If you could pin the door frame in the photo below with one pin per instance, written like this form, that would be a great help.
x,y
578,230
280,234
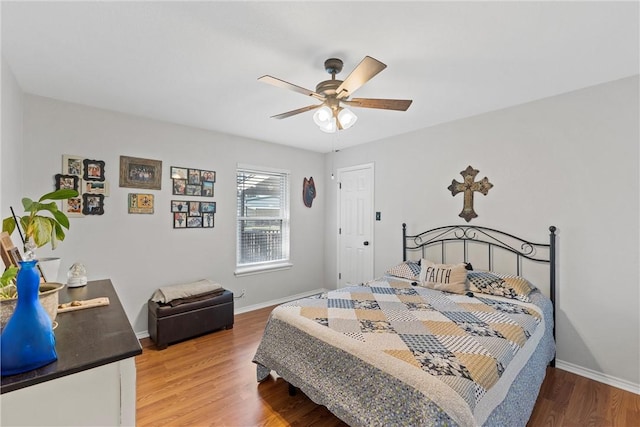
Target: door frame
x,y
339,173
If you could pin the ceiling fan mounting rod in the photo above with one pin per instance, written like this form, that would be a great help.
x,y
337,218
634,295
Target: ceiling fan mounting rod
x,y
333,66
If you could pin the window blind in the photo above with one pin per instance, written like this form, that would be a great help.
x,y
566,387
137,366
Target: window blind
x,y
263,217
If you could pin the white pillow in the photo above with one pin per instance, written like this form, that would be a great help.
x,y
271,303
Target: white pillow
x,y
444,277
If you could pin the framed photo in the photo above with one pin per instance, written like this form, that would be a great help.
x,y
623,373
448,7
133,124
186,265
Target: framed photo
x,y
179,220
67,182
73,207
179,186
194,176
194,222
93,170
140,173
72,165
207,188
194,209
10,254
179,206
208,207
207,220
95,187
140,203
178,173
93,204
194,190
208,176
7,246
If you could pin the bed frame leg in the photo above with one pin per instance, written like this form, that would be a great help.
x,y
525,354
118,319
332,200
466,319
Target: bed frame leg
x,y
292,390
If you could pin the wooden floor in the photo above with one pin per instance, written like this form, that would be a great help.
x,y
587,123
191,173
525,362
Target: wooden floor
x,y
210,381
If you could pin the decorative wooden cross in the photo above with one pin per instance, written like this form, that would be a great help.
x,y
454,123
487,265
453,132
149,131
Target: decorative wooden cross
x,y
468,187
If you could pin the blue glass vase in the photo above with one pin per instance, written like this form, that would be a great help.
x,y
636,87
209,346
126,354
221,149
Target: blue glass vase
x,y
27,341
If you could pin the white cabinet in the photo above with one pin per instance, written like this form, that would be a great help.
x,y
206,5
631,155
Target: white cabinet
x,y
102,396
93,382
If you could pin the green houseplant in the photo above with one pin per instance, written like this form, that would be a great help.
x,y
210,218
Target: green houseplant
x,y
7,283
38,230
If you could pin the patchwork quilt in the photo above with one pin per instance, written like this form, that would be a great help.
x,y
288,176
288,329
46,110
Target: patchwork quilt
x,y
448,352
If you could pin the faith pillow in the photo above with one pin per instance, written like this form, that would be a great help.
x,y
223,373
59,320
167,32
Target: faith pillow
x,y
444,277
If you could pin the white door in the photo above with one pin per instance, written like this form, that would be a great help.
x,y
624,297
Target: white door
x,y
355,225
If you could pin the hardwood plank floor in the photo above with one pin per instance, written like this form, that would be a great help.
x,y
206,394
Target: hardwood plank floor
x,y
211,381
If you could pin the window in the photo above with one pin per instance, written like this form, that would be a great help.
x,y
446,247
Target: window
x,y
263,219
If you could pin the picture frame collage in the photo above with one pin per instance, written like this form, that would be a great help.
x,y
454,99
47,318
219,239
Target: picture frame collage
x,y
193,214
198,183
193,182
87,177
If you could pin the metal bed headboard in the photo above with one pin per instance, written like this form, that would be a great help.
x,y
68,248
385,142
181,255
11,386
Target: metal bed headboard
x,y
521,248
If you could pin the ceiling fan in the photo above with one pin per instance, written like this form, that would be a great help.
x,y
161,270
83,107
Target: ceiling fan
x,y
334,95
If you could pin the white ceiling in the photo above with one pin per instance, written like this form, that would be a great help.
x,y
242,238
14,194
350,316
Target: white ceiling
x,y
197,63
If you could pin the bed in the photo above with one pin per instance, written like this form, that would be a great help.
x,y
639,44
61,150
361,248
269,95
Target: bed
x,y
427,343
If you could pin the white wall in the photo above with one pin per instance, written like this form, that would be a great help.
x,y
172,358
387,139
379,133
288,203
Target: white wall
x,y
140,253
11,146
569,161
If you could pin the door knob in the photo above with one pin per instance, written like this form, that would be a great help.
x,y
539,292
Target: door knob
x,y
366,243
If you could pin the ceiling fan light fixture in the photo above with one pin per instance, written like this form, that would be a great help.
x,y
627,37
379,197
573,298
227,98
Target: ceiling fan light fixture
x,y
329,127
323,116
347,118
331,116
325,120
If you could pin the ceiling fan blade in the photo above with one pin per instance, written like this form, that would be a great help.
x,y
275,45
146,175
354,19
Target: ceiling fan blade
x,y
383,104
364,72
294,112
286,85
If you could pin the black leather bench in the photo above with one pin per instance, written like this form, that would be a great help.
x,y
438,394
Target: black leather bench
x,y
169,324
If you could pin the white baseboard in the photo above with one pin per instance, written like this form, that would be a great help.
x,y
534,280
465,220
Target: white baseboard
x,y
278,301
599,376
145,334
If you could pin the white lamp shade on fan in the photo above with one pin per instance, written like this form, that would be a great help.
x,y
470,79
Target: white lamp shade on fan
x,y
347,118
327,122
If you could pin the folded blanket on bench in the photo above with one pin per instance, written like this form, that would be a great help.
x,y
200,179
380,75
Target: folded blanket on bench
x,y
167,294
195,298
